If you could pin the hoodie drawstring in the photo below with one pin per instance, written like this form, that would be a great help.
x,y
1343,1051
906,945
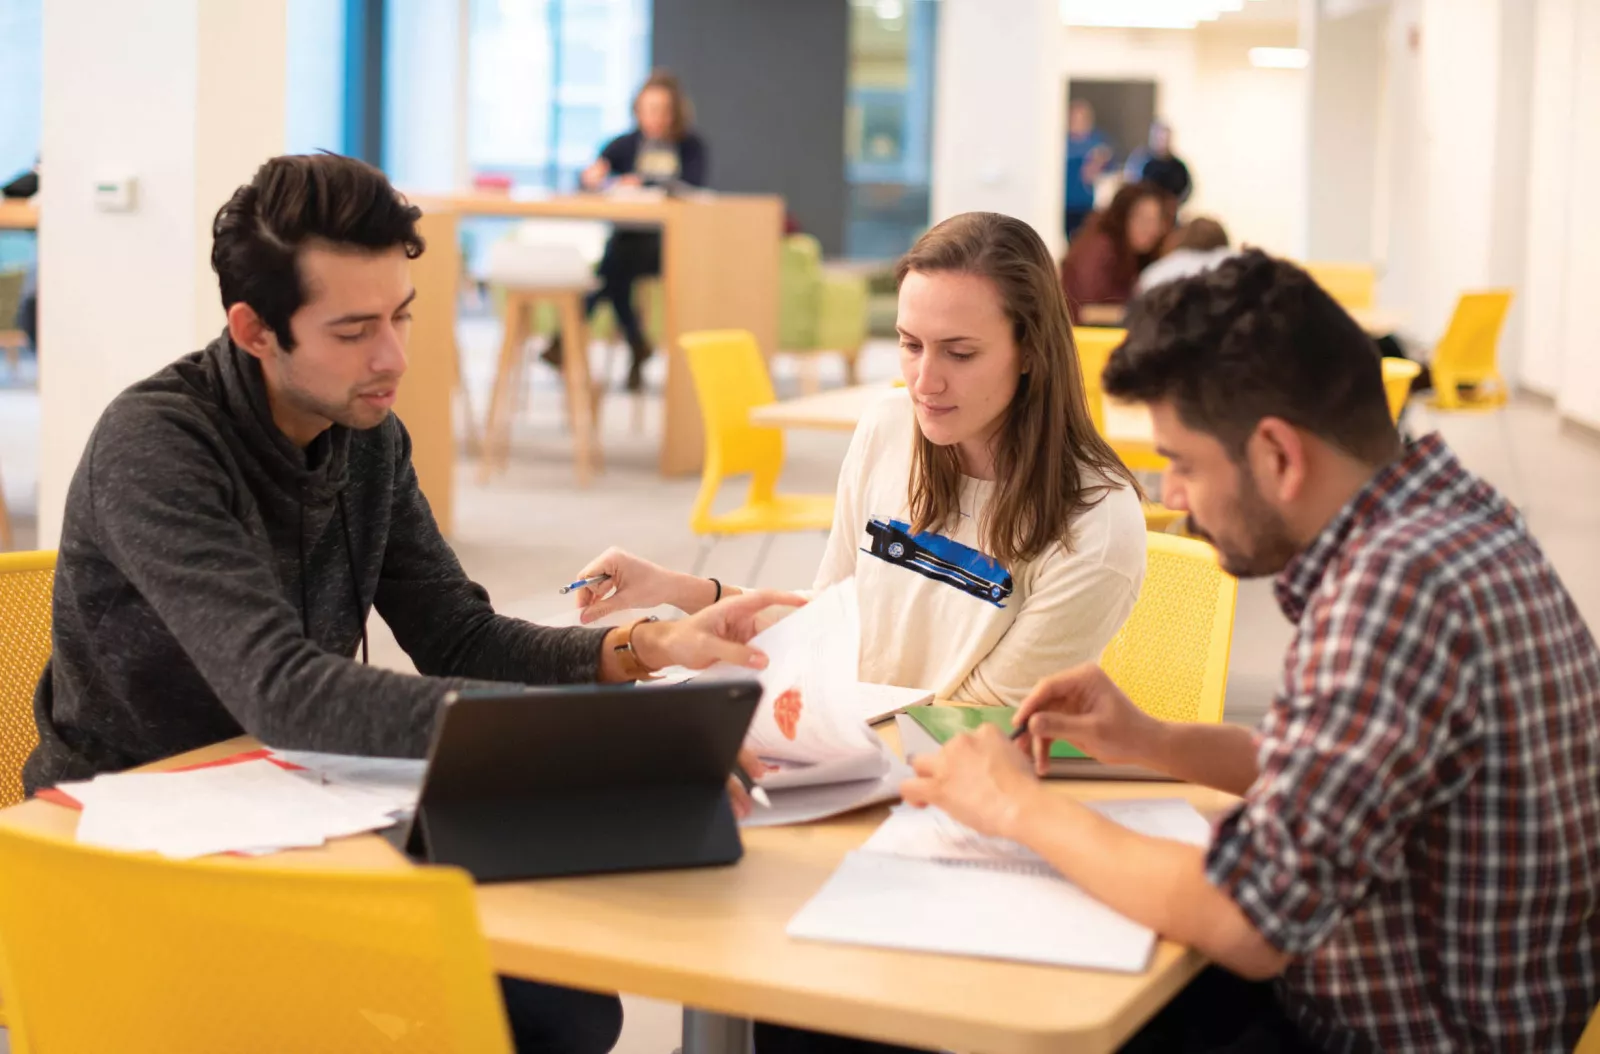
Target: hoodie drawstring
x,y
355,579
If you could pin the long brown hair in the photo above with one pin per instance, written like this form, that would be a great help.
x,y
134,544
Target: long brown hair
x,y
682,108
1050,463
1113,224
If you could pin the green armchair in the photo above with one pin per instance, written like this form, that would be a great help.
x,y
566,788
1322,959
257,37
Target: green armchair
x,y
819,311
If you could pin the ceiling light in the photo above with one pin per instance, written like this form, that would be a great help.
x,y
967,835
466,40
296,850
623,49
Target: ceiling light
x,y
1144,14
1280,58
889,10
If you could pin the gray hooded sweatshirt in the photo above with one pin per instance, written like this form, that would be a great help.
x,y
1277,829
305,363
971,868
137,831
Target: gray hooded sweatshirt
x,y
213,580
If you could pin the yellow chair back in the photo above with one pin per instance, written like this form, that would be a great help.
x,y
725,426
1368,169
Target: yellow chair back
x,y
1095,345
1171,656
1589,1042
136,953
1468,353
1353,285
1397,377
731,379
26,584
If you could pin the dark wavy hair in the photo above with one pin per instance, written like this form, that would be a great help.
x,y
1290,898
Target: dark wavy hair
x,y
295,199
1256,337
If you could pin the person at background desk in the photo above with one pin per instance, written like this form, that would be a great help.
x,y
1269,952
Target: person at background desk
x,y
236,517
662,151
1103,262
1088,154
1156,163
1416,860
991,531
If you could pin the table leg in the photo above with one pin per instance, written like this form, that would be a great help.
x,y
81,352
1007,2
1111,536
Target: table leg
x,y
708,1033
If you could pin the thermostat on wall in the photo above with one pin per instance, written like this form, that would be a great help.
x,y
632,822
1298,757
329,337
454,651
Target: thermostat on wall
x,y
115,195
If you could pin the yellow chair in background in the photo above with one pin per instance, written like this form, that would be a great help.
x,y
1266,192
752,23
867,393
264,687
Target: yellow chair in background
x,y
1589,1042
731,379
1397,377
1171,656
1467,356
26,584
1095,345
137,953
1353,285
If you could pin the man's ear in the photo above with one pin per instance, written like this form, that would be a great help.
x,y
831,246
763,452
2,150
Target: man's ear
x,y
1276,454
250,332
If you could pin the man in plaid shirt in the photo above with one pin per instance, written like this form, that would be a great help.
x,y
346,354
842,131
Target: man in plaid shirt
x,y
1415,863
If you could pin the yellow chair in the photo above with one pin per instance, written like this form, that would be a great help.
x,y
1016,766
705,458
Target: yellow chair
x,y
1353,285
731,379
1095,345
1589,1042
136,953
1468,353
1171,656
1397,377
26,584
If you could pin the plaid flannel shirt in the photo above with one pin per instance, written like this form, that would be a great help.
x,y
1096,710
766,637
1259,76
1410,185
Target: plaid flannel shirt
x,y
1423,837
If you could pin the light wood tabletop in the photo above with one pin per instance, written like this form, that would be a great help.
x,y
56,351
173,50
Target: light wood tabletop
x,y
17,215
840,409
714,939
1377,321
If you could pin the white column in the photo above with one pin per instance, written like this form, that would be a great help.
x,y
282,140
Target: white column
x,y
186,97
1579,394
1460,74
1346,86
999,124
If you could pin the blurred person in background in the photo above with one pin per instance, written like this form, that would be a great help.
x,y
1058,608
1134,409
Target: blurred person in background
x,y
662,151
1197,246
1103,262
1156,163
1088,154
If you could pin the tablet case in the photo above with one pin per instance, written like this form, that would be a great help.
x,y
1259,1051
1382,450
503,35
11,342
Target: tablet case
x,y
540,783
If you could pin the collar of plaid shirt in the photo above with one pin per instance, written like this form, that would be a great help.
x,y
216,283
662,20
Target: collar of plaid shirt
x,y
1426,466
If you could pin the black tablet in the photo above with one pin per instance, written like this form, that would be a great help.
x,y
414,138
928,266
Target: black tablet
x,y
543,782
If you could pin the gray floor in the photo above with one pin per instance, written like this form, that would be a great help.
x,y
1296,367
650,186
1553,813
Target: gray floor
x,y
529,529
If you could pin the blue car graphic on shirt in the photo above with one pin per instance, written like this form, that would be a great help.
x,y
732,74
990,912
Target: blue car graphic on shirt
x,y
939,558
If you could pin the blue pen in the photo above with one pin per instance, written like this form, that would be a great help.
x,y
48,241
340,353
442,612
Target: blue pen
x,y
592,580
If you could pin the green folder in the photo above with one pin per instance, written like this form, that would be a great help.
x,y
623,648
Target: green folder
x,y
945,722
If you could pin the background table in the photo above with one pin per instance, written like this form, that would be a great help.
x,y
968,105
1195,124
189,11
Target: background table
x,y
714,939
719,269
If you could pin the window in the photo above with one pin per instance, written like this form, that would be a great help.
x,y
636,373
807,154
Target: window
x,y
888,125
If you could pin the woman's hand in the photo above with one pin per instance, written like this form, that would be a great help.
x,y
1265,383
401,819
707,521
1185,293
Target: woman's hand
x,y
637,583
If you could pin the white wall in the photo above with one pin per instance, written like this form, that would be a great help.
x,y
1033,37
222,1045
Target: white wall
x,y
1346,98
1579,393
998,118
188,96
1240,129
314,118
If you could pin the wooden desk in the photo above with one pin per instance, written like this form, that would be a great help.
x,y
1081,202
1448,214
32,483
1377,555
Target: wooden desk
x,y
840,409
17,215
714,939
719,269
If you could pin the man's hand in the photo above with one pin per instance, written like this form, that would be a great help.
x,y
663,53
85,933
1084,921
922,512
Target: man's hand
x,y
595,175
720,633
981,779
742,805
1084,707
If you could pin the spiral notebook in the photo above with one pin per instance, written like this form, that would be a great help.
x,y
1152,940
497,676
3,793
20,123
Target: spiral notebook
x,y
924,882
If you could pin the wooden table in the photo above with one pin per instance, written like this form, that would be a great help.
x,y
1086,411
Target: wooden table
x,y
18,215
714,939
1377,321
719,269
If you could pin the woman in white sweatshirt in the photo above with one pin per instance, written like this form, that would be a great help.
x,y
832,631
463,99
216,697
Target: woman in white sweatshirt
x,y
994,536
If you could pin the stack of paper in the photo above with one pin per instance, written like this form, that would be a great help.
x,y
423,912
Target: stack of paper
x,y
254,806
392,783
924,882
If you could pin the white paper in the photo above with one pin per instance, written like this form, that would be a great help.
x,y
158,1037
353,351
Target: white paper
x,y
806,804
396,781
932,834
888,901
251,805
874,702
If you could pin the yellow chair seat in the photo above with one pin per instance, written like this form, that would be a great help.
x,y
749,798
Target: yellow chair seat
x,y
1161,519
775,515
1480,399
1397,377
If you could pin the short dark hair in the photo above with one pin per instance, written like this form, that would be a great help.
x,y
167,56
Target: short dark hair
x,y
294,199
1256,337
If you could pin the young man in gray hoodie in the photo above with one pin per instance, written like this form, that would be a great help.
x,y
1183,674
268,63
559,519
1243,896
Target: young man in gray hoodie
x,y
235,517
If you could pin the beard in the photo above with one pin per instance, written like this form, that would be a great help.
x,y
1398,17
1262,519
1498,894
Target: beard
x,y
1261,546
